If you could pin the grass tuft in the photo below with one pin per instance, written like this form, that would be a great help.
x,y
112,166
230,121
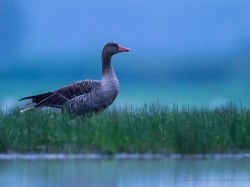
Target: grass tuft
x,y
149,129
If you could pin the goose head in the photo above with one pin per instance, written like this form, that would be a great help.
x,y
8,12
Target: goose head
x,y
113,48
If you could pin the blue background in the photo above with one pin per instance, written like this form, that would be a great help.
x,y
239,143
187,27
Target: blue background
x,y
192,52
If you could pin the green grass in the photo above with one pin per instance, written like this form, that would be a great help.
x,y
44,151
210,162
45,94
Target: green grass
x,y
149,129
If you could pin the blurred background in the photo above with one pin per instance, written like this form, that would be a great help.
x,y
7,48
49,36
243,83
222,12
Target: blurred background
x,y
194,52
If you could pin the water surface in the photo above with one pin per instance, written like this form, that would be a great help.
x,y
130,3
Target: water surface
x,y
124,172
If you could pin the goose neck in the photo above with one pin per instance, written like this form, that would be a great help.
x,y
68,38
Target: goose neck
x,y
107,69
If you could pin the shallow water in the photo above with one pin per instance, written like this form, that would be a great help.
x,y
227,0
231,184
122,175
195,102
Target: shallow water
x,y
95,171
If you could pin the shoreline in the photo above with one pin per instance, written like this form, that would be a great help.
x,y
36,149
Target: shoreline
x,y
120,156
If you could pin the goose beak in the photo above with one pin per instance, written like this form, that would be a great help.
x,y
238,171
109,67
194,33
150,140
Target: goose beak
x,y
123,49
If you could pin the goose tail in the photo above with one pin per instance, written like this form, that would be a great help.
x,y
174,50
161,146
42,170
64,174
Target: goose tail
x,y
24,110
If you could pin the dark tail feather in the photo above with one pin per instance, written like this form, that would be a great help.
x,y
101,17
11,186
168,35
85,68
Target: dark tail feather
x,y
37,98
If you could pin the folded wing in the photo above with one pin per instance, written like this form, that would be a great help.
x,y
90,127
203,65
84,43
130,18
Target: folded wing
x,y
59,97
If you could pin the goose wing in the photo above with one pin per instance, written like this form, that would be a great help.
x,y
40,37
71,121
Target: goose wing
x,y
59,97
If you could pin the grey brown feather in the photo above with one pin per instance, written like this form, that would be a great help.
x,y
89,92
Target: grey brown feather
x,y
85,96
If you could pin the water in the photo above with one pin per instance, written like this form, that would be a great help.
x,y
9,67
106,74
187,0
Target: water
x,y
76,172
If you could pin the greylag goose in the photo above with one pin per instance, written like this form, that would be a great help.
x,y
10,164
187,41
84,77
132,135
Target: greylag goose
x,y
85,96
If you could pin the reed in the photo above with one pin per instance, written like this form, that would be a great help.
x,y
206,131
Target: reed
x,y
149,129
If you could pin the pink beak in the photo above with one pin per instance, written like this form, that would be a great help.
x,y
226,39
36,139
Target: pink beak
x,y
123,49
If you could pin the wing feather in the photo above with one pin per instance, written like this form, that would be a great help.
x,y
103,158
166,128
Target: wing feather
x,y
59,97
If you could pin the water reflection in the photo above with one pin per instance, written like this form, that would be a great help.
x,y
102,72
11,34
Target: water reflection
x,y
125,172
